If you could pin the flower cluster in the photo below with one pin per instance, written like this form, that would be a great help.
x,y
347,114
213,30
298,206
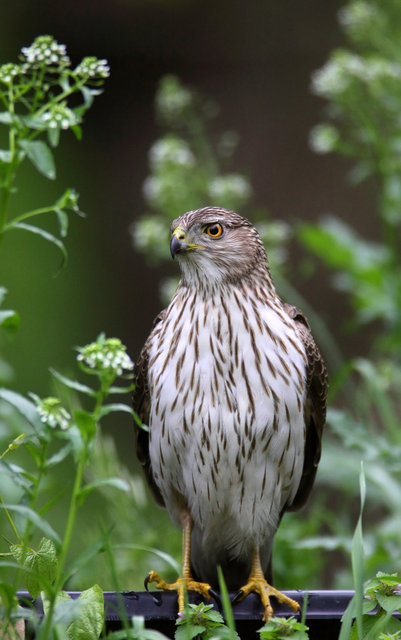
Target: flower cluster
x,y
231,190
45,50
324,138
59,116
172,99
92,67
149,232
106,354
8,71
170,150
359,16
52,413
345,67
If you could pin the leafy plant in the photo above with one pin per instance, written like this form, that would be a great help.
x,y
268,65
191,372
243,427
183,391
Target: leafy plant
x,y
44,569
281,628
37,96
362,87
202,621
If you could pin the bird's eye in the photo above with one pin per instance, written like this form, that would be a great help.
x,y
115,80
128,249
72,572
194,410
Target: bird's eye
x,y
213,230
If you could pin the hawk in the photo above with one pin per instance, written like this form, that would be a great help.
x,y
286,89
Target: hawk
x,y
233,390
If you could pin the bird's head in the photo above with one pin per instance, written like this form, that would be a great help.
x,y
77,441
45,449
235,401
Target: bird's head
x,y
214,245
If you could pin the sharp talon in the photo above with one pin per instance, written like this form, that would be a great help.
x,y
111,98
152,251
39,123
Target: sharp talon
x,y
237,596
216,596
157,598
146,582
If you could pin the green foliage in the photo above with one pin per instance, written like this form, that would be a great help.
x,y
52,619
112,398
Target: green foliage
x,y
37,98
202,621
369,614
68,432
362,86
281,628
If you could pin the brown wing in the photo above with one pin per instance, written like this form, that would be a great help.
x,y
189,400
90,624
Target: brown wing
x,y
315,407
141,405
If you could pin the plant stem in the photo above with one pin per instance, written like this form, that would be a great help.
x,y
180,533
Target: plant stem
x,y
10,520
9,174
28,214
66,541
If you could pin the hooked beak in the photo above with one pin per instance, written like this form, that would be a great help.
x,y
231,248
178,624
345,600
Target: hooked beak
x,y
179,243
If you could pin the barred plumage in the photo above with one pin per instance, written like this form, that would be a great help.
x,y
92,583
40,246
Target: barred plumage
x,y
233,389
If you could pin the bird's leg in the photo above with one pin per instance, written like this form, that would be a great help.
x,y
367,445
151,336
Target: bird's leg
x,y
258,584
186,582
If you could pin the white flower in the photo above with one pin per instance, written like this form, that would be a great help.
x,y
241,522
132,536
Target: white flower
x,y
172,98
106,354
170,150
45,49
330,80
8,71
52,413
345,67
358,15
228,187
323,138
92,67
59,116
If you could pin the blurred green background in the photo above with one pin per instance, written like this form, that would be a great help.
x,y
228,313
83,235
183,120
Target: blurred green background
x,y
255,60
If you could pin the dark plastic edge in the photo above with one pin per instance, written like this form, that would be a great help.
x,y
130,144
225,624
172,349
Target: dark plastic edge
x,y
156,605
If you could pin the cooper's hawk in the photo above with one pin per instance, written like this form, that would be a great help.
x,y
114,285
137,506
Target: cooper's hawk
x,y
233,389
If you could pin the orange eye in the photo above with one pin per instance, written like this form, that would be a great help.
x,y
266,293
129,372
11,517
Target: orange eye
x,y
214,230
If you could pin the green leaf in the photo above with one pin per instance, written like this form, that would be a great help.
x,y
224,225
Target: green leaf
x,y
389,603
117,483
85,423
139,631
111,408
66,608
188,631
9,321
41,157
166,557
47,559
77,130
346,621
40,567
58,457
39,522
89,623
79,561
374,625
25,407
88,96
357,557
44,234
73,384
5,117
53,135
17,475
227,608
5,156
62,221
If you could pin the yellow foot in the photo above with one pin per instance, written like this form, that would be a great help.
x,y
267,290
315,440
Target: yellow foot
x,y
265,590
180,586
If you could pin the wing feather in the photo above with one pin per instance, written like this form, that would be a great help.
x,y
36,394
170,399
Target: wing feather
x,y
141,405
314,409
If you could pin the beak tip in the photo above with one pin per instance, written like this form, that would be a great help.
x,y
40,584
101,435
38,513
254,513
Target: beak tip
x,y
176,246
